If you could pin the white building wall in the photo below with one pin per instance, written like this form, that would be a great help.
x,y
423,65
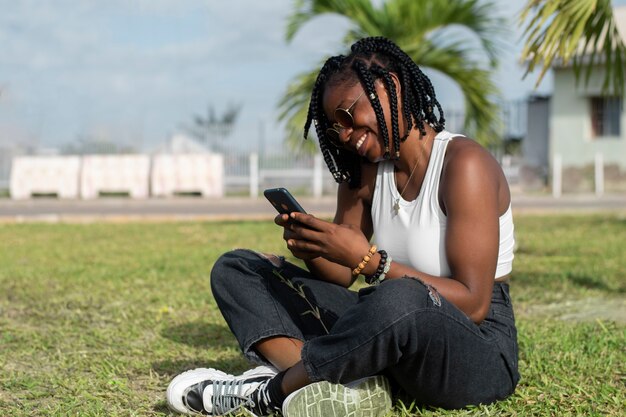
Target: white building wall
x,y
570,126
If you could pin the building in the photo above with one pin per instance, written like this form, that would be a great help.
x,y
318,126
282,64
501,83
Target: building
x,y
577,136
586,130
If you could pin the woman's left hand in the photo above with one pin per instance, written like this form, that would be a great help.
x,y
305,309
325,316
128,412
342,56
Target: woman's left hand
x,y
340,243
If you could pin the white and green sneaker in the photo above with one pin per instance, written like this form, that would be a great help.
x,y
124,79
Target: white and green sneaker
x,y
211,392
367,397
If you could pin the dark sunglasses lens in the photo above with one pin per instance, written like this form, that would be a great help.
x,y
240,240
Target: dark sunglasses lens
x,y
344,118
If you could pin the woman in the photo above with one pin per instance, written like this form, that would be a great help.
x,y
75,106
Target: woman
x,y
424,215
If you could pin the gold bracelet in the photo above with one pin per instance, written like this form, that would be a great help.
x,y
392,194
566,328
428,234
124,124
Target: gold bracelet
x,y
356,271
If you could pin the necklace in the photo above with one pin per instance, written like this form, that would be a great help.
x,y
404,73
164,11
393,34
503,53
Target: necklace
x,y
396,204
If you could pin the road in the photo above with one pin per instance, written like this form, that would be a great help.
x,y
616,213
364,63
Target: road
x,y
120,209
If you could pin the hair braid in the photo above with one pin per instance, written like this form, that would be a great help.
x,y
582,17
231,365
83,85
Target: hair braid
x,y
330,66
370,90
393,103
379,45
419,84
407,102
315,116
371,59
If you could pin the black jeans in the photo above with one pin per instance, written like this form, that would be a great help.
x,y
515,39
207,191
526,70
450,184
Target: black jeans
x,y
401,328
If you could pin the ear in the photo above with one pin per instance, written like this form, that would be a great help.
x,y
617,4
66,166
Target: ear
x,y
398,86
396,81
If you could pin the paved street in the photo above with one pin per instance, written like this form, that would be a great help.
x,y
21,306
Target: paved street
x,y
108,209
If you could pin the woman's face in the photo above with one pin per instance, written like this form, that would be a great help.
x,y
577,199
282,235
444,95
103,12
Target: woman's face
x,y
348,108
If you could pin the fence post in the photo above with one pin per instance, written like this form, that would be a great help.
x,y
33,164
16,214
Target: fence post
x,y
254,175
557,179
599,174
317,176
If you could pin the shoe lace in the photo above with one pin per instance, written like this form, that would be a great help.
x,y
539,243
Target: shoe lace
x,y
228,397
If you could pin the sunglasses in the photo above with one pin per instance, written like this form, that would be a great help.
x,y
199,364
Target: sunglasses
x,y
343,120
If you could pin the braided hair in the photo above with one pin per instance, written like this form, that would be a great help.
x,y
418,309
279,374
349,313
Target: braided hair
x,y
373,59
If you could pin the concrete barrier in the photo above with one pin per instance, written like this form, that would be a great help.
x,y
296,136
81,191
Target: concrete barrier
x,y
50,175
102,174
187,173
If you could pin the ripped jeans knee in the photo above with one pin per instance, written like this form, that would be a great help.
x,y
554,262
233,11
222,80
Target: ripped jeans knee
x,y
433,294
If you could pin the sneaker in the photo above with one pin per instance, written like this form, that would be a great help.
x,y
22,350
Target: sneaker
x,y
367,397
211,392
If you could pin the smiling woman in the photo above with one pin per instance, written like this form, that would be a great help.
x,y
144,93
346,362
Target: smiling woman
x,y
424,215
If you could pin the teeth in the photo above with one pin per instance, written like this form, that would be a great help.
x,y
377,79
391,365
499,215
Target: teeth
x,y
360,142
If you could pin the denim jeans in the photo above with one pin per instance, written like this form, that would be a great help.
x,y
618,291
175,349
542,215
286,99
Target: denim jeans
x,y
401,328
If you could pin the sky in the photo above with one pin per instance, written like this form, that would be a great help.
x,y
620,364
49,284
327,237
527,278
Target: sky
x,y
135,72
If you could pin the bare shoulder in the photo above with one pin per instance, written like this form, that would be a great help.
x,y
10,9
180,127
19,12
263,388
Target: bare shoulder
x,y
469,168
466,156
464,150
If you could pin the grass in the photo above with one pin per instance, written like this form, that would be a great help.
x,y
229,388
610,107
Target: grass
x,y
96,319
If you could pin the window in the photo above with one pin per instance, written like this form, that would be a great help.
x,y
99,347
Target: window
x,y
606,113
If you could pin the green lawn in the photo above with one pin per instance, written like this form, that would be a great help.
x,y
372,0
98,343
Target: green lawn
x,y
96,319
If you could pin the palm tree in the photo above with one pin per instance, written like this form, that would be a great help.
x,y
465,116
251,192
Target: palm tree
x,y
422,28
580,32
212,129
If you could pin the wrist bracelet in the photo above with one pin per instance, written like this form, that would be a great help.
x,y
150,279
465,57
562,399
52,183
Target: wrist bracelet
x,y
381,265
356,271
382,270
385,270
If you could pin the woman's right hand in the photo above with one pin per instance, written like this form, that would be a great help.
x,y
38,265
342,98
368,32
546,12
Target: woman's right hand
x,y
285,222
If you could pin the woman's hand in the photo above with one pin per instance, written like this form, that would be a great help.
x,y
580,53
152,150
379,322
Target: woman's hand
x,y
339,243
285,222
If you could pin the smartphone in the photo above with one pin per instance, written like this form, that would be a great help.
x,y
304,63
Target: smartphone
x,y
282,200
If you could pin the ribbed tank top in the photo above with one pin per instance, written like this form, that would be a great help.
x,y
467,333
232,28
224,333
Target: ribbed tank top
x,y
415,235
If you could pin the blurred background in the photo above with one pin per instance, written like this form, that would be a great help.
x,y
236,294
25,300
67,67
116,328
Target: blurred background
x,y
162,98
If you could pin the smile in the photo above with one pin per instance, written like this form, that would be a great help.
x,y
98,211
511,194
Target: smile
x,y
360,141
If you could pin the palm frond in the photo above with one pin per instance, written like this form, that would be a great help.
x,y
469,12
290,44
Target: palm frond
x,y
419,27
580,32
293,111
474,16
306,10
480,93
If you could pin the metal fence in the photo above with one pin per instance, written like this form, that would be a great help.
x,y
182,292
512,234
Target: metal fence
x,y
250,173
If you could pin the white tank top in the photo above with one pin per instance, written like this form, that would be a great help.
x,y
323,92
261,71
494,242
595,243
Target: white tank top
x,y
415,235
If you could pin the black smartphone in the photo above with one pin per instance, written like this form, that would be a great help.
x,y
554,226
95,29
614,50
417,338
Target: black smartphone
x,y
282,200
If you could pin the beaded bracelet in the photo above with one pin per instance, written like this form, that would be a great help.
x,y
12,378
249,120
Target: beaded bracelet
x,y
381,272
356,271
381,265
385,270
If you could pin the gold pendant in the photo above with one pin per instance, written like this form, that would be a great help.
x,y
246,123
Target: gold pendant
x,y
396,205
